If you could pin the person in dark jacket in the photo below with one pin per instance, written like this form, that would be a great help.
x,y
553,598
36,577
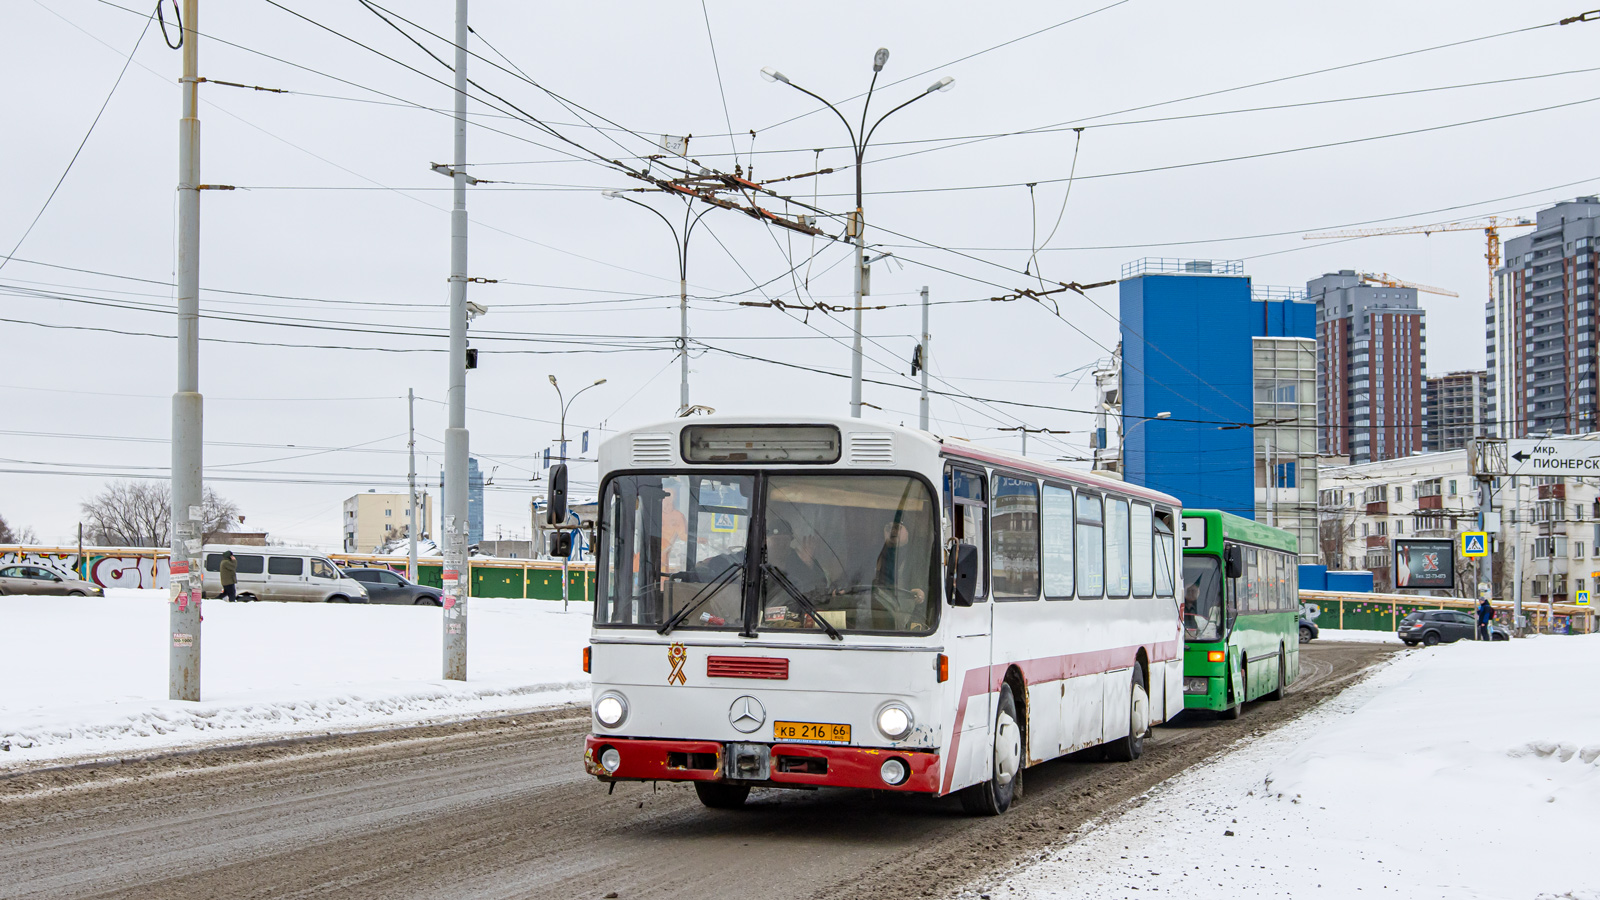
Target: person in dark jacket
x,y
228,572
1485,616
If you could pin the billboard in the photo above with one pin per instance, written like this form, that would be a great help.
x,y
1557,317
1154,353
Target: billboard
x,y
1425,564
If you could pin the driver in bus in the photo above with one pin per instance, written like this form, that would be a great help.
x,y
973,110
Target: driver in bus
x,y
796,559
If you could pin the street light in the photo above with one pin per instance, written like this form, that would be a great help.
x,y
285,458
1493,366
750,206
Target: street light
x,y
680,242
565,405
1122,438
857,227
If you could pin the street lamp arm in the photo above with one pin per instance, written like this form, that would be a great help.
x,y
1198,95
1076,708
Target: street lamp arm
x,y
886,115
688,231
819,99
866,105
678,243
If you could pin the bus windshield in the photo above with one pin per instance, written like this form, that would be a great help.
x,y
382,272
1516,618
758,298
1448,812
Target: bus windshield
x,y
1202,598
850,553
837,553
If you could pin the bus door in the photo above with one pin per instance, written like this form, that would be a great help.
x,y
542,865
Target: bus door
x,y
969,630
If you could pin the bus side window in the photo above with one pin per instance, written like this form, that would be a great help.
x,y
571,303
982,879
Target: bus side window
x,y
1252,581
1143,551
968,509
1117,556
1091,547
1016,538
1164,554
1055,536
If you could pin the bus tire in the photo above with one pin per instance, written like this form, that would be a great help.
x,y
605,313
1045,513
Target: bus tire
x,y
1283,662
716,795
993,797
1130,748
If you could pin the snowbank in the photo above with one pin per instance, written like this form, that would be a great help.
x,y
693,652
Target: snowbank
x,y
1356,636
88,676
1442,776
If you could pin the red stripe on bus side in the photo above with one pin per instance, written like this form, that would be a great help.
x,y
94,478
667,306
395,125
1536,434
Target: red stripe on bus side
x,y
1044,669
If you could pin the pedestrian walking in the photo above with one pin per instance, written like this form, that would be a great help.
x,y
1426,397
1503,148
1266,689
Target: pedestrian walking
x,y
1485,616
229,574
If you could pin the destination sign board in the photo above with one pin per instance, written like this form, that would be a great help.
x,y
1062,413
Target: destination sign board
x,y
1552,456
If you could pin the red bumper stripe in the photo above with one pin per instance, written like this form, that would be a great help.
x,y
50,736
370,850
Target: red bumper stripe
x,y
848,767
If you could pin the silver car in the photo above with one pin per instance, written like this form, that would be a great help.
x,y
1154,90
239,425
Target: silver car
x,y
25,579
282,573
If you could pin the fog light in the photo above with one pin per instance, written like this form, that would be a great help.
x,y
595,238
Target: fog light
x,y
611,709
894,771
1196,686
894,721
610,759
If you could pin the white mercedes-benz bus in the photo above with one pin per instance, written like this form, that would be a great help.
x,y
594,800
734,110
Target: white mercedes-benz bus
x,y
797,604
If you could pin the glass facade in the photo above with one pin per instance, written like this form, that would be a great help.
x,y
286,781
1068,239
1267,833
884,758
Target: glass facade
x,y
1285,384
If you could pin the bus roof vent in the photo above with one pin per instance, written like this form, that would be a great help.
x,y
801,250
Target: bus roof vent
x,y
873,448
652,450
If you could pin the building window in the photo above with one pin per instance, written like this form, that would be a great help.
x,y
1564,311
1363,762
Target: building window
x,y
1452,487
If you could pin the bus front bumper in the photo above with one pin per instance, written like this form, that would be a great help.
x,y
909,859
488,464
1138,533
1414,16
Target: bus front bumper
x,y
765,765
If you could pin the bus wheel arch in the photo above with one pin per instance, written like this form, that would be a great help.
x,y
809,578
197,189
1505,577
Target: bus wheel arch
x,y
991,797
1019,696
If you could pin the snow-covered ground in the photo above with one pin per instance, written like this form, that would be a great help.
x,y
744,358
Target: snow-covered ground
x,y
83,677
1352,635
1469,770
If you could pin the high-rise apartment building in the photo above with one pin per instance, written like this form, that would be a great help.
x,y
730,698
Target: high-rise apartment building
x,y
1541,325
1370,358
474,502
1455,410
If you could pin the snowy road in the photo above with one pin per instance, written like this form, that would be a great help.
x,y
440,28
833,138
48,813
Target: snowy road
x,y
501,808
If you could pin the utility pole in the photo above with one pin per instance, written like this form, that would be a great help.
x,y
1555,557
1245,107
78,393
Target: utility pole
x,y
183,658
927,341
1516,537
456,588
1549,564
411,480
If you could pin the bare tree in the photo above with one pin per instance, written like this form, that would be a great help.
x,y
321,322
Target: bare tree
x,y
8,535
139,514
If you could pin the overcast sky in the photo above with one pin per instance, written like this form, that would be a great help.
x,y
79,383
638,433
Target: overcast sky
x,y
346,229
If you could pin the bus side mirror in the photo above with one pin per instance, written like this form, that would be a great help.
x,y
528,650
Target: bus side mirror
x,y
963,583
1233,555
555,511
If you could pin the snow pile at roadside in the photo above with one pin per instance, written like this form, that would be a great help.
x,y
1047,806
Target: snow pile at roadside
x,y
1464,771
1358,636
88,676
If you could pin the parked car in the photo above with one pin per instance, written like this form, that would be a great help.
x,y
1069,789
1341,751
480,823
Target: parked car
x,y
282,573
388,586
39,580
1444,626
1308,629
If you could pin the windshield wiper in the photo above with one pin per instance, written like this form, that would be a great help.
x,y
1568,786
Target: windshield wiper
x,y
702,596
806,605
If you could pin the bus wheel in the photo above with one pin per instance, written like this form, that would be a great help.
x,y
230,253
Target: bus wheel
x,y
717,795
1283,661
993,797
1131,747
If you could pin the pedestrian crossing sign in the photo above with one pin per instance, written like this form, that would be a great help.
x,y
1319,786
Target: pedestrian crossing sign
x,y
1474,543
1583,598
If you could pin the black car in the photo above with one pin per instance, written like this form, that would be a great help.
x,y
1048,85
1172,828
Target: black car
x,y
386,586
1443,626
1308,629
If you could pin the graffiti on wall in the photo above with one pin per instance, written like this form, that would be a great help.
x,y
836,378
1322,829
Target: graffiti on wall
x,y
104,570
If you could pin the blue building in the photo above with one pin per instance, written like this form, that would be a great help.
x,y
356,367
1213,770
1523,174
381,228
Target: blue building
x,y
474,501
1190,348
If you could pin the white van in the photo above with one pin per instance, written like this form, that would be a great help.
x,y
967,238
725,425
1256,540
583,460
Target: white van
x,y
282,573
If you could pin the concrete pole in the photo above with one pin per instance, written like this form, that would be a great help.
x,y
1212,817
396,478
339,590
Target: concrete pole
x,y
183,660
860,279
411,481
1516,569
927,341
456,588
683,335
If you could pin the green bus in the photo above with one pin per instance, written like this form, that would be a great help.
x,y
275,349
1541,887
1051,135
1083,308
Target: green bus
x,y
1240,611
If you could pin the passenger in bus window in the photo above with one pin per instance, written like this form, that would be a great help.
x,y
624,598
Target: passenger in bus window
x,y
796,559
891,578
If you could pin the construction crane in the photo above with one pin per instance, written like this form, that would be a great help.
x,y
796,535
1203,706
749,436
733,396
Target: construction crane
x,y
1490,228
1388,280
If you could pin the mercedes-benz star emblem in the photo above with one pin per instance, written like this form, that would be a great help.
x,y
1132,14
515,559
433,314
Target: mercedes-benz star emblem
x,y
747,714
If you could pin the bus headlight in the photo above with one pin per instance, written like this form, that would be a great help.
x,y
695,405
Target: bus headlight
x,y
894,771
611,709
610,759
895,721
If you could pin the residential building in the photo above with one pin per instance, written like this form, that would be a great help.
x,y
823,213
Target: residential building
x,y
1210,350
1541,325
1364,508
1371,352
474,501
1455,410
372,519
